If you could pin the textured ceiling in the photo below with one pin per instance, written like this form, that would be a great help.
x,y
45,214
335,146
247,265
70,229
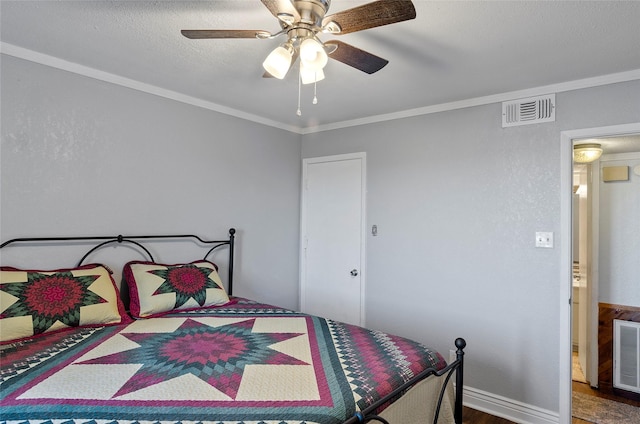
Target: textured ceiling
x,y
452,52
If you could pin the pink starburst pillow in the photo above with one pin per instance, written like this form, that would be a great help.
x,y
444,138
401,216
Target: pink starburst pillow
x,y
156,289
34,303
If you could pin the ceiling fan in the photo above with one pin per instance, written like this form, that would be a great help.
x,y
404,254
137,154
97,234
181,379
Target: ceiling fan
x,y
301,22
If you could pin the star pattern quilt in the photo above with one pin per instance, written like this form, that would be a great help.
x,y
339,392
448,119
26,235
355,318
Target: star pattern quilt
x,y
244,362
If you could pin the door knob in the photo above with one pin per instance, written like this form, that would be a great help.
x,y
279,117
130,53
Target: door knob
x,y
354,272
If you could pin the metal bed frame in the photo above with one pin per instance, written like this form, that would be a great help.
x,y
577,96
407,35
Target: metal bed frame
x,y
133,240
362,417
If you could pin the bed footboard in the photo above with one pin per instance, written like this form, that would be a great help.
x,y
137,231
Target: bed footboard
x,y
456,367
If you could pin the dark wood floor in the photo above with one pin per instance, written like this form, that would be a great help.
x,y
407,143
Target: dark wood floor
x,y
472,416
476,417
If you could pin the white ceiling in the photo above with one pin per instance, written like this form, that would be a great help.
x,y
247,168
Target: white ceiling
x,y
453,52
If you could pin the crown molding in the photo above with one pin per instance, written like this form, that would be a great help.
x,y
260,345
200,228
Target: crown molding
x,y
485,100
54,62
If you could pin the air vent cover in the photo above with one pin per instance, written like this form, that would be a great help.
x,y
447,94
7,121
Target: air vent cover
x,y
533,110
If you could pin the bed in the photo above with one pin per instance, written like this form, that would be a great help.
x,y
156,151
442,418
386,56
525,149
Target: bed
x,y
171,344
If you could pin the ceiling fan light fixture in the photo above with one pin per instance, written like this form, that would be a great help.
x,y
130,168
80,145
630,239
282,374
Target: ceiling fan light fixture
x,y
301,21
586,153
279,61
312,54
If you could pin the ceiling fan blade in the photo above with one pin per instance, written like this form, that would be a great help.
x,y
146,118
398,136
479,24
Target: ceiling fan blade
x,y
353,56
281,9
370,15
224,33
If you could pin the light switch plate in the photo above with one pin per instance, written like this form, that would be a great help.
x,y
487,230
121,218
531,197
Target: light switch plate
x,y
544,239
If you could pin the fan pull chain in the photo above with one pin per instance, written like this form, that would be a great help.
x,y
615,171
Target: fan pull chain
x,y
315,88
299,112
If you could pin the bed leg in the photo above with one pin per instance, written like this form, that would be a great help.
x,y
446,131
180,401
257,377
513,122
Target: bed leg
x,y
460,344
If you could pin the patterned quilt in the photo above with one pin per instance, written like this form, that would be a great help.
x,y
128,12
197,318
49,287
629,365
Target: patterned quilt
x,y
241,363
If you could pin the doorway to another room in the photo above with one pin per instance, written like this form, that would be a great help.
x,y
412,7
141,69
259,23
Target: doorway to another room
x,y
581,369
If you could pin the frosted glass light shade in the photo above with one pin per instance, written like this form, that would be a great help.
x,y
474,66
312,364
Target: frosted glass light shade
x,y
309,75
278,62
312,54
585,153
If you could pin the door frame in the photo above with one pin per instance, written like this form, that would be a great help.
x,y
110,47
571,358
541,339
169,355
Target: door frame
x,y
566,257
363,223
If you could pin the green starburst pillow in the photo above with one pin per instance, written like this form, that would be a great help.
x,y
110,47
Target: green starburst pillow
x,y
156,289
35,303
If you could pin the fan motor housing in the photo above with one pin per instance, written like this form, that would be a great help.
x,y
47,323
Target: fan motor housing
x,y
300,32
312,11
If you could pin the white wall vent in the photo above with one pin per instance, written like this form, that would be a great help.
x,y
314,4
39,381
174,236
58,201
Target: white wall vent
x,y
533,110
626,355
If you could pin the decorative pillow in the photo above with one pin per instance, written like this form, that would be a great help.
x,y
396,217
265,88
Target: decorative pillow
x,y
156,289
40,302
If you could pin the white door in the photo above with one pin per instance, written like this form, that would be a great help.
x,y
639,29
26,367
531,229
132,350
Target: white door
x,y
333,237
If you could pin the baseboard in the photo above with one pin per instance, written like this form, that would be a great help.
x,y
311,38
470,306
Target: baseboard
x,y
509,409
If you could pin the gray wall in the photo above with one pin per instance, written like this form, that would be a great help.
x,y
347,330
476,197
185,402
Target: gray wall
x,y
457,200
85,157
619,253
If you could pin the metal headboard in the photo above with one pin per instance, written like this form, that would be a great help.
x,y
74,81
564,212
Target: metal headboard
x,y
134,240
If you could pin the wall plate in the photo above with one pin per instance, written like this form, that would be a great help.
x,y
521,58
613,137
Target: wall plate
x,y
544,239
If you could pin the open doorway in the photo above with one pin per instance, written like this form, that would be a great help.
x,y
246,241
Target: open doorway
x,y
584,275
567,262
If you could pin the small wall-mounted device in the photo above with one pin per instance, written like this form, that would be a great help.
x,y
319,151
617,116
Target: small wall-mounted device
x,y
374,230
544,239
615,173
